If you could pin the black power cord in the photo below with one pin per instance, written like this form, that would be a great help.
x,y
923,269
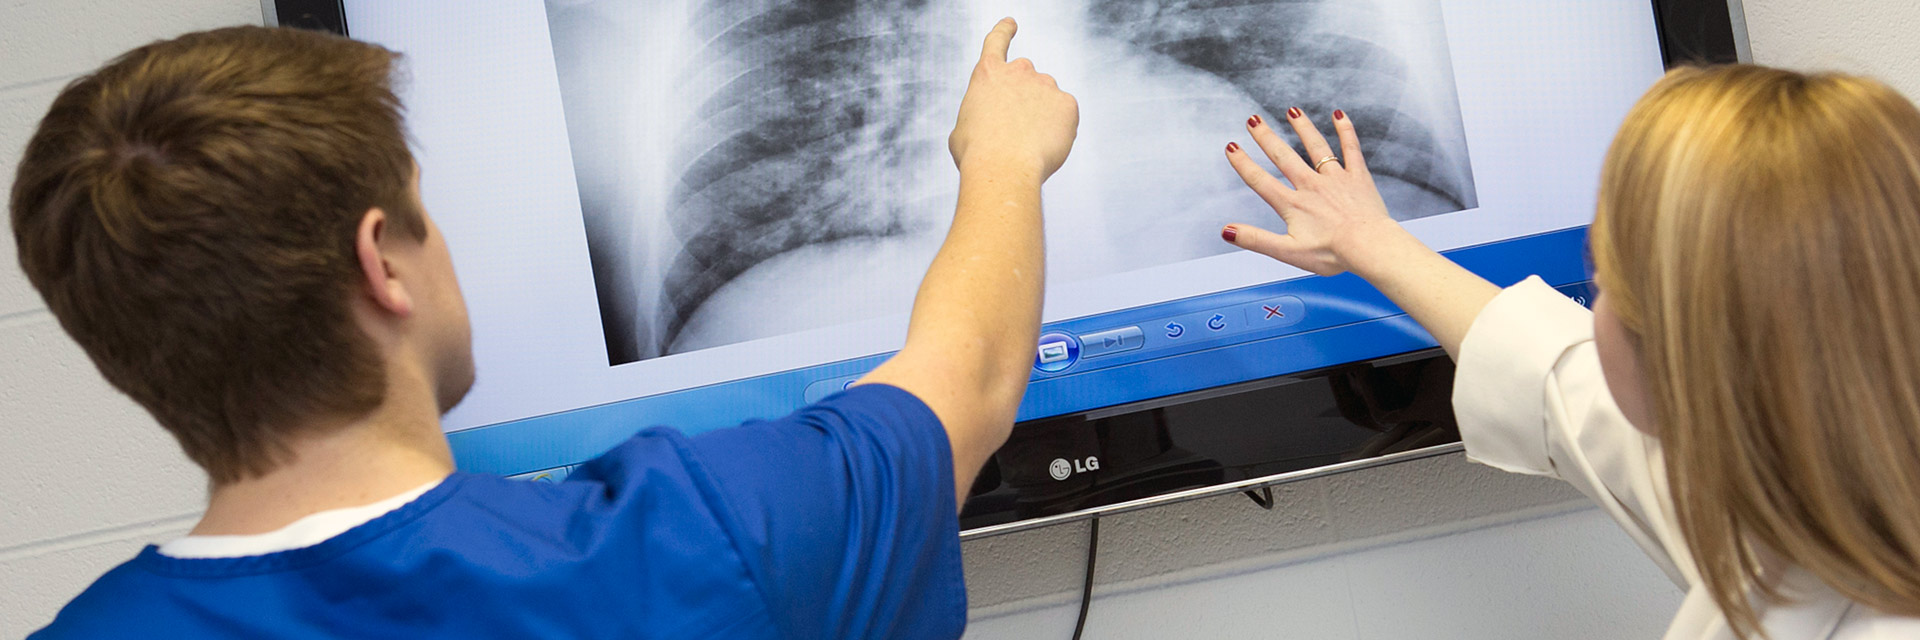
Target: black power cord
x,y
1086,590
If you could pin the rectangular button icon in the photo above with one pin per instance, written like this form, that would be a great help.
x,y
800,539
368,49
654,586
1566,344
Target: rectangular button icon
x,y
1053,352
1094,345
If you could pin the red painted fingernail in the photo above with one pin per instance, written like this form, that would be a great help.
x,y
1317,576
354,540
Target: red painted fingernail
x,y
1339,115
1296,113
1254,121
1233,147
1228,234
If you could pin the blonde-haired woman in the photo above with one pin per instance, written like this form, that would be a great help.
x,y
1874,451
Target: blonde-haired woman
x,y
1744,397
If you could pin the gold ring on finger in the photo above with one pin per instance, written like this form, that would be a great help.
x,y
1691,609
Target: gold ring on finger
x,y
1323,162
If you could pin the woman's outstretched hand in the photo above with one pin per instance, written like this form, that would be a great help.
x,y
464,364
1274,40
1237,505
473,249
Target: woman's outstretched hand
x,y
1337,222
1333,210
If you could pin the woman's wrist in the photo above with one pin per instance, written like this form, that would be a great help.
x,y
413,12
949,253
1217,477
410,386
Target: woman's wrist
x,y
1441,295
1376,249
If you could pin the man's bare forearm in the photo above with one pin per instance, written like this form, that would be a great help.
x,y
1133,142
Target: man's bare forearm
x,y
976,317
980,301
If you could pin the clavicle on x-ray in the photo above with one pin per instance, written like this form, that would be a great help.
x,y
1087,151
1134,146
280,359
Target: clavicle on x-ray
x,y
753,168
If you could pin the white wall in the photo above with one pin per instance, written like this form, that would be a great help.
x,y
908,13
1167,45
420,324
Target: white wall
x,y
1437,549
1874,37
1421,584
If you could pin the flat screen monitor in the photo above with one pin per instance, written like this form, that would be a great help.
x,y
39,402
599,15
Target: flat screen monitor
x,y
700,212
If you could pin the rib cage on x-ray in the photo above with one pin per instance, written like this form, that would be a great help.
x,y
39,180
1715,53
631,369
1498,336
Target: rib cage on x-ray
x,y
770,126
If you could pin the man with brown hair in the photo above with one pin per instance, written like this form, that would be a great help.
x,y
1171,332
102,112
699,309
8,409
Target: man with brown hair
x,y
229,224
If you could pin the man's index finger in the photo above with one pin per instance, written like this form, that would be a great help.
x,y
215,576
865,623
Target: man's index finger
x,y
998,41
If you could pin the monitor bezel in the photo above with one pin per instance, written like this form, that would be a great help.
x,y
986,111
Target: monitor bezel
x,y
1690,32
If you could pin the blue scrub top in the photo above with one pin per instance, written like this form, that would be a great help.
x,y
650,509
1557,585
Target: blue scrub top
x,y
835,522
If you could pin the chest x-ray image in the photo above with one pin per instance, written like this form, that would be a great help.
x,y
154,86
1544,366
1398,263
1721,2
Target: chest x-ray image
x,y
755,168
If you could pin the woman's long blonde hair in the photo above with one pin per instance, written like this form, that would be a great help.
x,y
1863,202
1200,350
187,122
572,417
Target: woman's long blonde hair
x,y
1759,234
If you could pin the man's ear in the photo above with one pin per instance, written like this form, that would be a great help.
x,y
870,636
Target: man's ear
x,y
378,279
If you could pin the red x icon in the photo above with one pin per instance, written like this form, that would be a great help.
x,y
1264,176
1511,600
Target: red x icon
x,y
1273,312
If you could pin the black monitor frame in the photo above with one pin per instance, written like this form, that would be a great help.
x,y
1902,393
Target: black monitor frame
x,y
1349,417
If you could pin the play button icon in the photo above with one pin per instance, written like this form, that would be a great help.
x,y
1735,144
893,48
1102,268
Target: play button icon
x,y
1110,342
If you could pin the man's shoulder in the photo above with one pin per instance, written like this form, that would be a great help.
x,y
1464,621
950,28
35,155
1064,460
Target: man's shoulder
x,y
861,426
864,417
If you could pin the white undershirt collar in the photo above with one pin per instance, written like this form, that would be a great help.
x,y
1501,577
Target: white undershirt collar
x,y
305,532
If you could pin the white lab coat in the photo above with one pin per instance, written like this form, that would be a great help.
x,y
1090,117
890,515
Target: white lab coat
x,y
1531,399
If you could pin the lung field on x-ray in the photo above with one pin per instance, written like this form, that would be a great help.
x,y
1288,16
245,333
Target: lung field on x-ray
x,y
1317,55
803,143
730,148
